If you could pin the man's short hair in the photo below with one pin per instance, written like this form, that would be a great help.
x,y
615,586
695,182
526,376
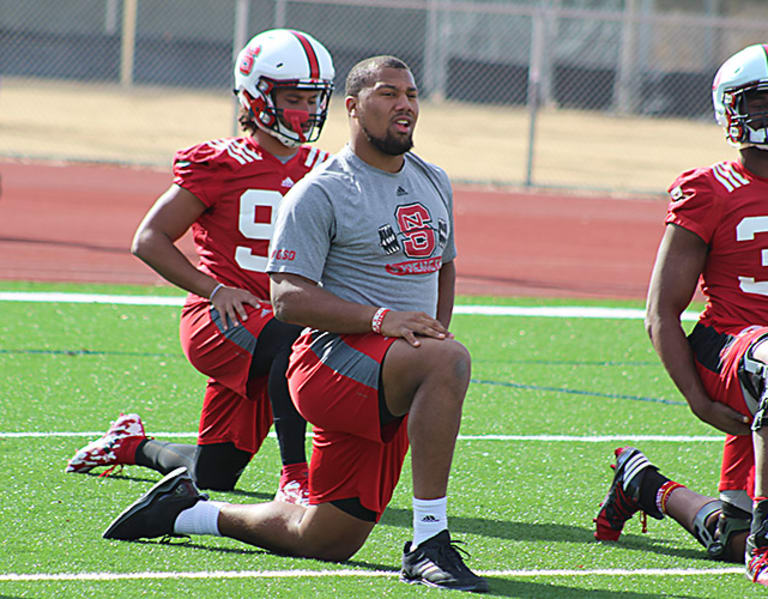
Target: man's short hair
x,y
364,73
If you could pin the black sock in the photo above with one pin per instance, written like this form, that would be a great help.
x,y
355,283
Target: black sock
x,y
650,483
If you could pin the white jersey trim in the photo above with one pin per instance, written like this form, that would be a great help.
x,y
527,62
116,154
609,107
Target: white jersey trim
x,y
236,149
315,157
728,177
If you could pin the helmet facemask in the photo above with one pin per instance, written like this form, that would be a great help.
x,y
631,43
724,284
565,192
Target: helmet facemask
x,y
746,124
290,127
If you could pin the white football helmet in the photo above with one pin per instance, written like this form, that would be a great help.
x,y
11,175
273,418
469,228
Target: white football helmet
x,y
284,58
745,71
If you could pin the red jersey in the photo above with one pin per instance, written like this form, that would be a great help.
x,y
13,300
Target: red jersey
x,y
241,184
727,206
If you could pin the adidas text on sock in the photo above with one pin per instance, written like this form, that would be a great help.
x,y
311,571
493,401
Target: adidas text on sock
x,y
429,518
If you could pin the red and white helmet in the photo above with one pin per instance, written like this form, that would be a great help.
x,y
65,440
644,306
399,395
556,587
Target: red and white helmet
x,y
284,58
745,71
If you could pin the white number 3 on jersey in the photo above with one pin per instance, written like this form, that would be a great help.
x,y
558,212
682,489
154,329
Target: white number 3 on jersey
x,y
745,231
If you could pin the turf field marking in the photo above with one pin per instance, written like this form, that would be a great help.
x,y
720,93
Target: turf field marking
x,y
149,300
106,576
670,402
521,438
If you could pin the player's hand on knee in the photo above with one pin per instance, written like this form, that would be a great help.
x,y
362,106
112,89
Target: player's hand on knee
x,y
724,418
230,303
412,325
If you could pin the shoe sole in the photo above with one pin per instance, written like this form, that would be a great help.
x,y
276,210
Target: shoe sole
x,y
472,588
80,470
164,484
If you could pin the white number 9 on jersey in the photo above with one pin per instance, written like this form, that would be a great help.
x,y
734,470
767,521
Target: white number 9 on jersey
x,y
253,229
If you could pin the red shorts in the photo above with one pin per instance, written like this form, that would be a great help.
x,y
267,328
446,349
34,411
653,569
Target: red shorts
x,y
235,409
334,382
738,467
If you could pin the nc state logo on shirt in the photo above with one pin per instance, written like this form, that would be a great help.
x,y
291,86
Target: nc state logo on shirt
x,y
418,238
416,232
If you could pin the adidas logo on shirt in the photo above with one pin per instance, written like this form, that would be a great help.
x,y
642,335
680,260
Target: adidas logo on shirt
x,y
401,191
287,182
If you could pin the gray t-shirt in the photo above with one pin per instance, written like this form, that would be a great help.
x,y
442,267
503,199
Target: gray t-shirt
x,y
369,236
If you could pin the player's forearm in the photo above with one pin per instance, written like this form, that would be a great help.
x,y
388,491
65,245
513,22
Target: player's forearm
x,y
160,254
302,302
672,346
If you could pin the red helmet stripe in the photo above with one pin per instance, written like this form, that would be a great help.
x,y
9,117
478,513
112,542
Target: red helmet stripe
x,y
765,49
314,65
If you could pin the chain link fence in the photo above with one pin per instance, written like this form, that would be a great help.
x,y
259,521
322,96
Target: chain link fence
x,y
602,94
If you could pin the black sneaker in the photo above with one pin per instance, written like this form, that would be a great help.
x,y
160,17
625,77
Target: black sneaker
x,y
437,563
154,513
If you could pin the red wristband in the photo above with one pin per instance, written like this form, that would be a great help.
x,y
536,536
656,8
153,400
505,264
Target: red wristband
x,y
377,319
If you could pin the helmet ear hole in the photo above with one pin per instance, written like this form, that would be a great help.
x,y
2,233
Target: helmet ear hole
x,y
257,104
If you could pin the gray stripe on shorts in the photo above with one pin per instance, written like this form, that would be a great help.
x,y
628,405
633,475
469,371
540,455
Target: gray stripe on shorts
x,y
331,350
239,335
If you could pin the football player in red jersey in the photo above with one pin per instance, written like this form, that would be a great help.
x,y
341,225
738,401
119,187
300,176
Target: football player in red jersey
x,y
227,192
717,231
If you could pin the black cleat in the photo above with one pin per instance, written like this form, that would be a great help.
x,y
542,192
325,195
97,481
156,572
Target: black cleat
x,y
437,563
155,512
622,500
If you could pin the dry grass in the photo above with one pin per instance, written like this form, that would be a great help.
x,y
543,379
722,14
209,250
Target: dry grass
x,y
73,121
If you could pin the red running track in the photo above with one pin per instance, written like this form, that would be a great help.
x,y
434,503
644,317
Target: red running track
x,y
74,222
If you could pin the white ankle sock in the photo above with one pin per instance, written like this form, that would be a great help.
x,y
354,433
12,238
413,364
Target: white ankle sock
x,y
200,519
429,518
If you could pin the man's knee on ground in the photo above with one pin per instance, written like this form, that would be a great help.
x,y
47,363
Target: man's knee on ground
x,y
330,534
217,480
218,466
334,550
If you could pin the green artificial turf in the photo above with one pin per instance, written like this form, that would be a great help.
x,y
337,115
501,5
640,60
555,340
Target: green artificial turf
x,y
531,465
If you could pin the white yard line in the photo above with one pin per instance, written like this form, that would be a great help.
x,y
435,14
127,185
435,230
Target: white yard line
x,y
148,300
516,438
107,576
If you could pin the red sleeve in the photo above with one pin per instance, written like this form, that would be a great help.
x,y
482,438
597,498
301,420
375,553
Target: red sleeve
x,y
694,205
193,169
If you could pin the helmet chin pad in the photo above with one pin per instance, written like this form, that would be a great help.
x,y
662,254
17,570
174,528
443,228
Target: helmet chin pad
x,y
296,119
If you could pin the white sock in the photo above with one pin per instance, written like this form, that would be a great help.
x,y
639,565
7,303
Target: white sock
x,y
200,519
429,518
